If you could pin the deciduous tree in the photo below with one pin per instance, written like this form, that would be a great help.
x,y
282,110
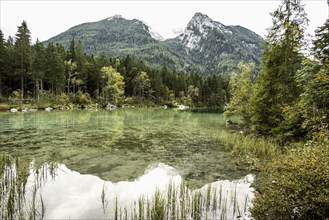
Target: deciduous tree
x,y
113,88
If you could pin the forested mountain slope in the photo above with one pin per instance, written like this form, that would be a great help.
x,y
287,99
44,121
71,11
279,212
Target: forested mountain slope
x,y
205,46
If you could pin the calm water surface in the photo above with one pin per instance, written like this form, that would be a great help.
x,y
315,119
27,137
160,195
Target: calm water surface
x,y
118,150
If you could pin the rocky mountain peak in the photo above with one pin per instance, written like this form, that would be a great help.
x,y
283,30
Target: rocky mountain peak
x,y
199,27
114,17
205,45
200,19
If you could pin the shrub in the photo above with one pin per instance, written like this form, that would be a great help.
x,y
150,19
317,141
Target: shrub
x,y
294,186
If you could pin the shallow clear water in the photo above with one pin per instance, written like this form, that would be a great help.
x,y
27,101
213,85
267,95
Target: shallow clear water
x,y
120,144
60,192
116,147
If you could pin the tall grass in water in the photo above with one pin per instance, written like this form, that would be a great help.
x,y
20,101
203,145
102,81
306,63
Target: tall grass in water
x,y
248,146
19,198
178,202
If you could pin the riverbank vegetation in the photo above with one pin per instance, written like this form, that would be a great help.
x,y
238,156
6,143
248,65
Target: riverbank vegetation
x,y
288,104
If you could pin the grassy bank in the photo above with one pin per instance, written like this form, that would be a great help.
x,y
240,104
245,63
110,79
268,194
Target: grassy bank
x,y
292,181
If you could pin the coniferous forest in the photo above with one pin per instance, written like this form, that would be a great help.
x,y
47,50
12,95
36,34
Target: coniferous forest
x,y
50,75
282,105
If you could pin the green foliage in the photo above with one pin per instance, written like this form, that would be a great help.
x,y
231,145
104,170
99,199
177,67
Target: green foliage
x,y
3,55
251,150
294,186
23,52
70,68
83,99
276,88
52,70
241,89
113,85
55,69
313,79
141,84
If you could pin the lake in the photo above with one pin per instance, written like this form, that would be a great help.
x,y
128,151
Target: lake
x,y
104,164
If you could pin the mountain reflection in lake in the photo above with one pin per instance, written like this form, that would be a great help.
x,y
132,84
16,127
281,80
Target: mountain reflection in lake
x,y
67,194
109,152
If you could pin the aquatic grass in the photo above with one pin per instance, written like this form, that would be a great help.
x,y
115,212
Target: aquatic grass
x,y
233,199
141,202
248,146
19,200
223,209
176,201
196,204
116,209
159,206
214,202
208,197
103,198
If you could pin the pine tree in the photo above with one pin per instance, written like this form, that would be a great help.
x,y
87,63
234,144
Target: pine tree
x,y
38,68
23,52
276,89
314,80
71,51
3,56
81,59
55,69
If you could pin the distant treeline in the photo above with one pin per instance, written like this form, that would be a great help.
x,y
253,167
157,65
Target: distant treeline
x,y
50,73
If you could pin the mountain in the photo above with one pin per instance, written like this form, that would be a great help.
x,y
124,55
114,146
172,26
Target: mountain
x,y
205,45
219,47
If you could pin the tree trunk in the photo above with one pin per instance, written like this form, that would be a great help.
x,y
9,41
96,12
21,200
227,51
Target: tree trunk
x,y
22,77
41,84
22,86
37,90
68,85
0,85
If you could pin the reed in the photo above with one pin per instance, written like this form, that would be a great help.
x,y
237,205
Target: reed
x,y
116,209
103,198
208,197
18,200
176,201
249,146
179,202
141,202
159,206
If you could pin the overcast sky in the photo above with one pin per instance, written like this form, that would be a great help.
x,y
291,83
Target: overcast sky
x,y
46,18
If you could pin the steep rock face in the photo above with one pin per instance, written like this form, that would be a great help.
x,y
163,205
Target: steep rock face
x,y
217,47
205,46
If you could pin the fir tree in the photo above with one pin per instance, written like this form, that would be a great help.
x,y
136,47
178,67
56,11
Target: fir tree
x,y
2,59
314,80
38,68
276,89
23,53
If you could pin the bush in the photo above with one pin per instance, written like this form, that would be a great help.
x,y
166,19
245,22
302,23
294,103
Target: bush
x,y
4,106
83,99
294,186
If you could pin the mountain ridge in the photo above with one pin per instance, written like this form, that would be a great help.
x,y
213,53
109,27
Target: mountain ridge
x,y
205,46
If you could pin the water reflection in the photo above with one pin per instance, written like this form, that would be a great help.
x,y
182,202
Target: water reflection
x,y
56,192
118,145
